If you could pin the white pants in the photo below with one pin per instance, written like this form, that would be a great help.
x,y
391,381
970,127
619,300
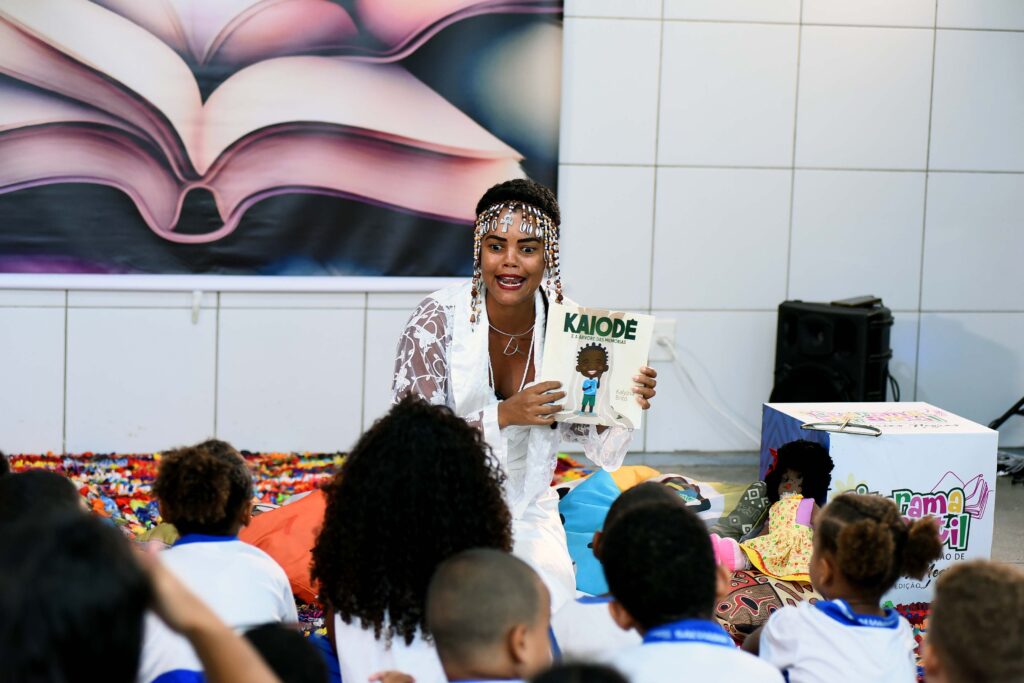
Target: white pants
x,y
539,540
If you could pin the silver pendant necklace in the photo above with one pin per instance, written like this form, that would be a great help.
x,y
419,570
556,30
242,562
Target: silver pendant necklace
x,y
511,350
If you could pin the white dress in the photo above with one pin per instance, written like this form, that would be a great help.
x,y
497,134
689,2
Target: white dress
x,y
444,358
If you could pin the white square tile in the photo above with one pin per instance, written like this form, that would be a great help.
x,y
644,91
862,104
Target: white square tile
x,y
720,238
607,213
903,342
857,232
972,364
978,105
734,10
730,357
32,377
864,95
728,94
609,91
138,380
383,328
292,300
870,12
34,298
290,380
639,9
998,14
974,242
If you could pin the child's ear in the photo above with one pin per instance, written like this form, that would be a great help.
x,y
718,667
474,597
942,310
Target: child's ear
x,y
722,582
932,664
246,514
621,617
518,643
595,544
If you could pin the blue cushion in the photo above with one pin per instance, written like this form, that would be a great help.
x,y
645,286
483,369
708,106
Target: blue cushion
x,y
584,509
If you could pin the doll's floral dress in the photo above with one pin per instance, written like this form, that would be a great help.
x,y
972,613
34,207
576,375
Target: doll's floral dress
x,y
785,551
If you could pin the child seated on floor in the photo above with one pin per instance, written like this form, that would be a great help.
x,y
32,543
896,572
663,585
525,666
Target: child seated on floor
x,y
206,492
861,547
489,614
664,581
976,627
584,628
418,487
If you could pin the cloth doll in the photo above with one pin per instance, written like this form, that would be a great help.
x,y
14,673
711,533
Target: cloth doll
x,y
796,485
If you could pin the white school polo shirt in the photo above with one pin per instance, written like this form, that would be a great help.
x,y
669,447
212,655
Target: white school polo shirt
x,y
828,641
243,585
584,630
704,652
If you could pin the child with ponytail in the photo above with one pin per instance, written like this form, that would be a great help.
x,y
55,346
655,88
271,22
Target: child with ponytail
x,y
861,547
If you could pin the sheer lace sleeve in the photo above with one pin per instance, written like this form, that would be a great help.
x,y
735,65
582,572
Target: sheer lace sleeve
x,y
606,450
421,363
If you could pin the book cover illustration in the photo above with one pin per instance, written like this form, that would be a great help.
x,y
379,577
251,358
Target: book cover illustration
x,y
234,104
595,353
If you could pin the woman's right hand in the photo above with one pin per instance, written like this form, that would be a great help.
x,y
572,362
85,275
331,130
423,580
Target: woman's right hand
x,y
530,406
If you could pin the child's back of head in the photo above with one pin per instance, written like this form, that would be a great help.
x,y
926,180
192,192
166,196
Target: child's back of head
x,y
288,653
870,545
663,579
659,565
580,673
72,600
29,494
204,489
489,615
976,627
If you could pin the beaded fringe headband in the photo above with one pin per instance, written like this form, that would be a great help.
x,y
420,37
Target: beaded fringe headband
x,y
533,222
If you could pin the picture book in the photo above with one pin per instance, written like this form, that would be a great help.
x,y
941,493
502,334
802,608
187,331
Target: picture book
x,y
595,353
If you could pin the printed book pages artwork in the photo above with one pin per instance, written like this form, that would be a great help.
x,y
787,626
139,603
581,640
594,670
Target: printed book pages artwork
x,y
595,353
102,92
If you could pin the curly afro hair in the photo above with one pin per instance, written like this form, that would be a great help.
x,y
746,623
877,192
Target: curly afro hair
x,y
204,489
872,544
522,190
813,463
419,487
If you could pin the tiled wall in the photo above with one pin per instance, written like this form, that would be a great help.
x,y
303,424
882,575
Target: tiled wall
x,y
719,156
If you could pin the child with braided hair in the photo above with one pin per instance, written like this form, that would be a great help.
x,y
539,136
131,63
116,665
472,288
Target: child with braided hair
x,y
861,547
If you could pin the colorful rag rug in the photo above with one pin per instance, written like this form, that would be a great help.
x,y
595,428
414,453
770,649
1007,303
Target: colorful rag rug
x,y
119,486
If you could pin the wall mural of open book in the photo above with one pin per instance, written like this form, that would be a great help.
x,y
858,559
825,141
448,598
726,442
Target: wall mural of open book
x,y
267,136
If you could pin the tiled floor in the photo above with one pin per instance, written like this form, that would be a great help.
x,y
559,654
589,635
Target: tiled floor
x,y
1007,545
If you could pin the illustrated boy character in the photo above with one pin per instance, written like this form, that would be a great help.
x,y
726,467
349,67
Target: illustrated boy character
x,y
591,362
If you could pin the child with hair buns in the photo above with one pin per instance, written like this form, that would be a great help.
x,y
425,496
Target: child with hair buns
x,y
861,547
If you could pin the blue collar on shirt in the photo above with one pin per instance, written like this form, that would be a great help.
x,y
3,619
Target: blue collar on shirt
x,y
690,631
594,599
203,538
841,611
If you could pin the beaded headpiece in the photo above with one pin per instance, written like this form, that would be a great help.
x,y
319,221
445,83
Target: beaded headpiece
x,y
534,222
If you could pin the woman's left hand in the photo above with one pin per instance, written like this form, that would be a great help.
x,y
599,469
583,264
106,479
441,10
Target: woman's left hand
x,y
644,389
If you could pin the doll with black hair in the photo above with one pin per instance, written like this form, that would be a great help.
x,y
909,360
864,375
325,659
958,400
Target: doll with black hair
x,y
797,484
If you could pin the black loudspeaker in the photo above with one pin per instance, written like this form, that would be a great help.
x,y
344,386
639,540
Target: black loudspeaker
x,y
832,352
